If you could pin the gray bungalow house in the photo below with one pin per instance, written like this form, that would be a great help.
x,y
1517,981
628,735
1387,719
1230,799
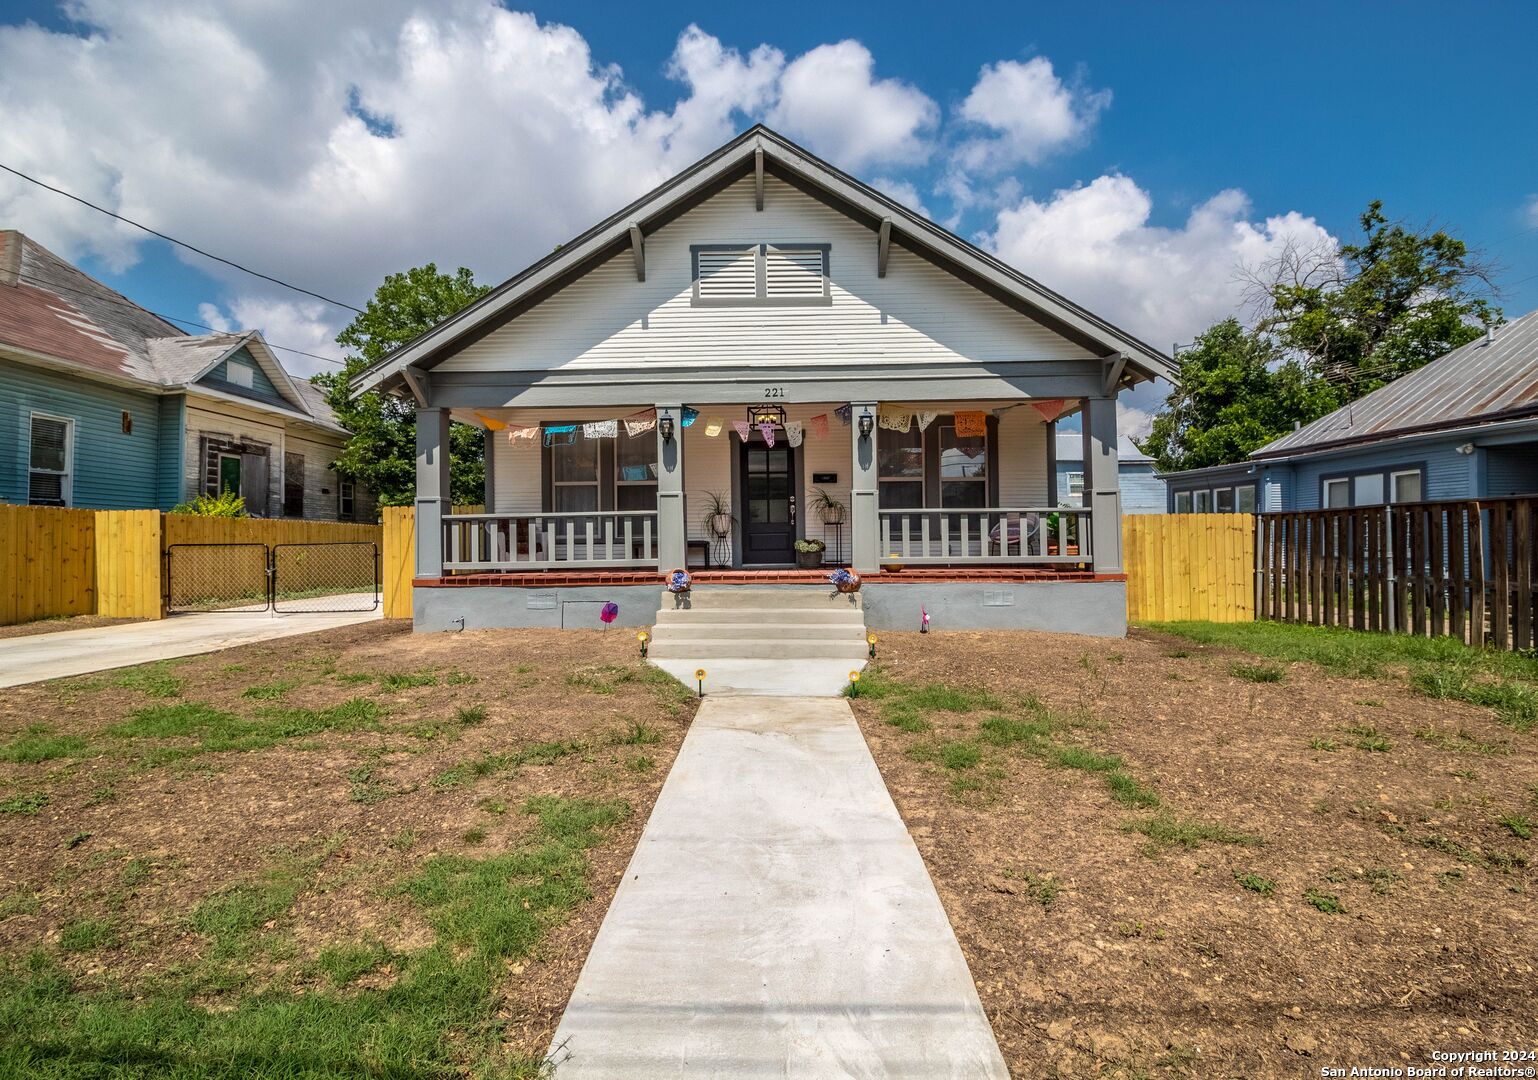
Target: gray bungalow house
x,y
761,351
106,405
1465,426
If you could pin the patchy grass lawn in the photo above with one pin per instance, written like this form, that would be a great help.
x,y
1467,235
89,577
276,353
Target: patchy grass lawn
x,y
353,853
1243,851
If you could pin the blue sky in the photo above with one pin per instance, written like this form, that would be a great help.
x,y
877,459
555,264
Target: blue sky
x,y
235,134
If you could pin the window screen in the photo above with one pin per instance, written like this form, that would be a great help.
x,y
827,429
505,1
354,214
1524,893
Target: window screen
x,y
48,483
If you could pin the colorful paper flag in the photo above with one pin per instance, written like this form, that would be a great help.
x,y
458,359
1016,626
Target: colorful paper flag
x,y
690,415
819,426
640,423
767,431
600,429
893,418
1050,408
530,432
713,426
795,432
969,424
844,412
492,424
742,429
925,419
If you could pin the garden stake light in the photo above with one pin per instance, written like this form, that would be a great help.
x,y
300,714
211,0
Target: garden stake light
x,y
699,678
643,637
854,684
870,640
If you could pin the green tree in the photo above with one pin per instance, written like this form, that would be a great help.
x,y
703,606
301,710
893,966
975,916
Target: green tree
x,y
1236,393
1378,309
381,452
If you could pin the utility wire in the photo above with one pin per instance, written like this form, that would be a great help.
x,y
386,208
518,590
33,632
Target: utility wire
x,y
124,302
174,240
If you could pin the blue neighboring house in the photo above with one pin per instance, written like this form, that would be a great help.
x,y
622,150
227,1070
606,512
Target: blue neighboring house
x,y
106,405
1465,426
1142,492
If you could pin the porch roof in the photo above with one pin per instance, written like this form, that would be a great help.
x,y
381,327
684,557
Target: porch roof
x,y
756,151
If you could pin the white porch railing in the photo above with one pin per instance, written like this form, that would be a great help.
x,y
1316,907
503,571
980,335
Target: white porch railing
x,y
987,535
608,538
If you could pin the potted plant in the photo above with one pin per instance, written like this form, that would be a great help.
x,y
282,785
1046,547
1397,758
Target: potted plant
x,y
718,515
809,553
830,511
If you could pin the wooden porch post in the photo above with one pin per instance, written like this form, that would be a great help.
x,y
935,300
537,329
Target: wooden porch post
x,y
1102,484
864,521
672,551
432,488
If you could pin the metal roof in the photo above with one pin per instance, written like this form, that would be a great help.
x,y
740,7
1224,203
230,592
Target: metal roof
x,y
1493,378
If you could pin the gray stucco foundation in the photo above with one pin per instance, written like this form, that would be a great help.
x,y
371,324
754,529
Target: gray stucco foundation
x,y
571,607
1094,608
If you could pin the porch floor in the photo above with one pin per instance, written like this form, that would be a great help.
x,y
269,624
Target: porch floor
x,y
909,575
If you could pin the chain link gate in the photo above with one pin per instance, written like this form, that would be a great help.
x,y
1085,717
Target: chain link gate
x,y
285,578
342,576
217,577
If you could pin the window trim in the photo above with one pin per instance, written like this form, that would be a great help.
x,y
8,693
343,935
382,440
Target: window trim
x,y
1324,493
67,481
346,498
1385,471
1068,491
1186,495
1392,493
761,298
608,482
1254,491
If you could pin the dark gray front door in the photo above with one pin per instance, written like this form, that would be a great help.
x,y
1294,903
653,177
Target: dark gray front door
x,y
769,504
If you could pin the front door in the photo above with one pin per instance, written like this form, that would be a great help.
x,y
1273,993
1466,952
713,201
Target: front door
x,y
769,504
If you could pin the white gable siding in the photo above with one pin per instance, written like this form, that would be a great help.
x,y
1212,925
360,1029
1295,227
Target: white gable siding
x,y
918,313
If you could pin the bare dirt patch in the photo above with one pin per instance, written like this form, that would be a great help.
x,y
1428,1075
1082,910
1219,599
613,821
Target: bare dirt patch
x,y
324,771
1357,890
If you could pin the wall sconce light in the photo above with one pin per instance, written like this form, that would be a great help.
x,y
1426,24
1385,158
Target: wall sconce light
x,y
871,641
867,424
665,425
643,637
1466,449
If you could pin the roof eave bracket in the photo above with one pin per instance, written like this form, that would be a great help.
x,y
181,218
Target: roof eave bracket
x,y
638,249
416,382
883,246
758,178
1114,366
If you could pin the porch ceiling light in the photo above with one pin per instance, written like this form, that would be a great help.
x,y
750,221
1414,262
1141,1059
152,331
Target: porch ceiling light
x,y
665,426
766,414
867,424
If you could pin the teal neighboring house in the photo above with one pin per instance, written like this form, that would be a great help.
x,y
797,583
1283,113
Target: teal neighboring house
x,y
107,406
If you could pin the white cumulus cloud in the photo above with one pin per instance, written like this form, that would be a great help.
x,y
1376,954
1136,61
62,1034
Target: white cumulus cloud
x,y
1095,244
1027,112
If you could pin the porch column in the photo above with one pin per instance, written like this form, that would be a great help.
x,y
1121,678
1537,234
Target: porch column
x,y
432,489
672,551
1102,484
864,522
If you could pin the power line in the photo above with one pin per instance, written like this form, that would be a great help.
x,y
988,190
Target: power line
x,y
174,240
126,303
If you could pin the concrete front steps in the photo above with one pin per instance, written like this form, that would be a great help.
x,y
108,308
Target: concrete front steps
x,y
735,623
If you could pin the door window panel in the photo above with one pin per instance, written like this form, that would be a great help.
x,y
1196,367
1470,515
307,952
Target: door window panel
x,y
574,475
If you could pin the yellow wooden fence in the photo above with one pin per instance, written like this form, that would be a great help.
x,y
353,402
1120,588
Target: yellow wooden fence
x,y
56,562
1189,566
399,556
47,563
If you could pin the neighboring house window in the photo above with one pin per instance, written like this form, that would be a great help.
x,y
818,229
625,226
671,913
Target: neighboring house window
x,y
1223,500
240,374
1367,490
50,481
1182,502
635,471
900,468
345,507
1201,502
1405,486
1337,493
293,485
1076,488
574,475
963,469
788,274
1244,498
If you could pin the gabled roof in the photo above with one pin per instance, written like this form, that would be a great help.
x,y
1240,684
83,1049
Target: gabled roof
x,y
799,167
53,311
1491,379
1070,448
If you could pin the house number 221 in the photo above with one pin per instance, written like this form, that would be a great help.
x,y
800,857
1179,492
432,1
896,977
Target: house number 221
x,y
774,391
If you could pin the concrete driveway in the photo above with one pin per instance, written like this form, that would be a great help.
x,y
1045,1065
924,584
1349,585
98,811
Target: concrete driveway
x,y
775,921
38,657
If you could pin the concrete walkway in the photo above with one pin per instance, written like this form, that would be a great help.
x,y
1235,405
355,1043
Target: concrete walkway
x,y
775,921
774,678
38,657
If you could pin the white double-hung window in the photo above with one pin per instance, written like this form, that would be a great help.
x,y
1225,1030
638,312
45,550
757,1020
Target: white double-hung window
x,y
50,476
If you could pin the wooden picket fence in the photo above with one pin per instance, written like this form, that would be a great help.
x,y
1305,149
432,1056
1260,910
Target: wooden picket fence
x,y
399,555
59,562
1189,566
1458,569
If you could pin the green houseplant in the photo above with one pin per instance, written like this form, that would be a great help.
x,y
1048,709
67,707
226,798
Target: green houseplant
x,y
830,510
718,515
225,504
809,553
